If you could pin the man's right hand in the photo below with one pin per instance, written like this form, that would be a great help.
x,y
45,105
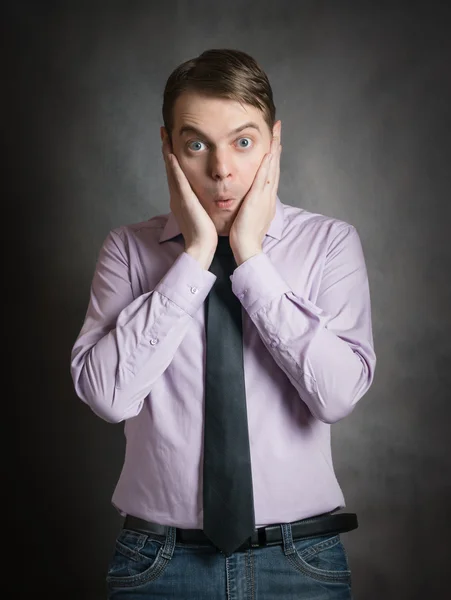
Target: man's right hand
x,y
199,231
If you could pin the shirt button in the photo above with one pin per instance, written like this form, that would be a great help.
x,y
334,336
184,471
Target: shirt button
x,y
194,290
153,341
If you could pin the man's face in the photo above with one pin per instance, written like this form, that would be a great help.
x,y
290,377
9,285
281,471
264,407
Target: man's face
x,y
219,144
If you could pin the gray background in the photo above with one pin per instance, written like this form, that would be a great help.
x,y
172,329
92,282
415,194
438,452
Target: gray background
x,y
363,91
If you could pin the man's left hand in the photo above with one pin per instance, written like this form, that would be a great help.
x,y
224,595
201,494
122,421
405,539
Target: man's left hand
x,y
258,208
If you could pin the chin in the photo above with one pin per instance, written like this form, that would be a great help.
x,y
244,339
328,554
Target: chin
x,y
223,224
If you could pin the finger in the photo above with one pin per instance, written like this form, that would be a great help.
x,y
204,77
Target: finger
x,y
272,167
276,179
261,177
166,148
168,165
275,151
275,146
173,169
180,177
173,176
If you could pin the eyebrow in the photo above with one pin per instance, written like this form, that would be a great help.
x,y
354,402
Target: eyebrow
x,y
191,129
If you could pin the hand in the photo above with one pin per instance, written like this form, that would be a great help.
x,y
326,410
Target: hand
x,y
198,229
258,208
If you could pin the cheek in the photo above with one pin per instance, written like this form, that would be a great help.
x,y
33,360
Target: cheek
x,y
245,169
185,163
250,169
191,168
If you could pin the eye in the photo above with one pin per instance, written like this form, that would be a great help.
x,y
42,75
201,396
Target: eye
x,y
247,144
194,146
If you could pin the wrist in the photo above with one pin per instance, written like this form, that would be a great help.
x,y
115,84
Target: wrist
x,y
204,257
243,254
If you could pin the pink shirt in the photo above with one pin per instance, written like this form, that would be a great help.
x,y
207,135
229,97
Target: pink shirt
x,y
308,359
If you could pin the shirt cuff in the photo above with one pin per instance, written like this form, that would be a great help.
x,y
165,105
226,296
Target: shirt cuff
x,y
256,283
186,284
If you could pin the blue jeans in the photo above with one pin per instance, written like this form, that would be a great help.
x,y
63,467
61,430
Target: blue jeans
x,y
150,566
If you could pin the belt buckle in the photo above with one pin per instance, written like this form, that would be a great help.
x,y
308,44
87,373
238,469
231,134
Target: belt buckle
x,y
256,540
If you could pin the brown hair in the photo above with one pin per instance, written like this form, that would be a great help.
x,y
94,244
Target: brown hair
x,y
220,73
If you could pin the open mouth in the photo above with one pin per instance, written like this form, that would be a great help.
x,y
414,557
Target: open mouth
x,y
226,203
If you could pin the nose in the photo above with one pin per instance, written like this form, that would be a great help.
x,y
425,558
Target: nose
x,y
220,165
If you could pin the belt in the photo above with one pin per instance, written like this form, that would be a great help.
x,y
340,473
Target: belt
x,y
270,535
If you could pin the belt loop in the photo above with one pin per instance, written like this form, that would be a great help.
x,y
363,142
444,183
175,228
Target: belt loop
x,y
169,543
287,539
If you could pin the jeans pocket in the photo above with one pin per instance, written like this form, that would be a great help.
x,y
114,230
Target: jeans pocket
x,y
137,559
322,558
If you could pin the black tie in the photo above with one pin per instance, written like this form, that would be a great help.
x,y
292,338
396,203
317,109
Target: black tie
x,y
227,478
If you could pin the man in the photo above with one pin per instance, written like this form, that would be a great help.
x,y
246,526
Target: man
x,y
228,336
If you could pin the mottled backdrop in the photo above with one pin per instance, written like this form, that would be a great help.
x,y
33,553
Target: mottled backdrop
x,y
363,91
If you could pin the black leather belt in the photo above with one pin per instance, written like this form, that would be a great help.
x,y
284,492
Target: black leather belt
x,y
325,524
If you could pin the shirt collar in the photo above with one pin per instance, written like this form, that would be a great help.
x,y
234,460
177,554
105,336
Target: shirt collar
x,y
172,229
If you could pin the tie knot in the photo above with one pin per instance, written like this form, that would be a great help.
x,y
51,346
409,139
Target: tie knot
x,y
223,247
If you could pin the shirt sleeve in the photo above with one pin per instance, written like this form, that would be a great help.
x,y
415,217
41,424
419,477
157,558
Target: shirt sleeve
x,y
126,343
326,349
